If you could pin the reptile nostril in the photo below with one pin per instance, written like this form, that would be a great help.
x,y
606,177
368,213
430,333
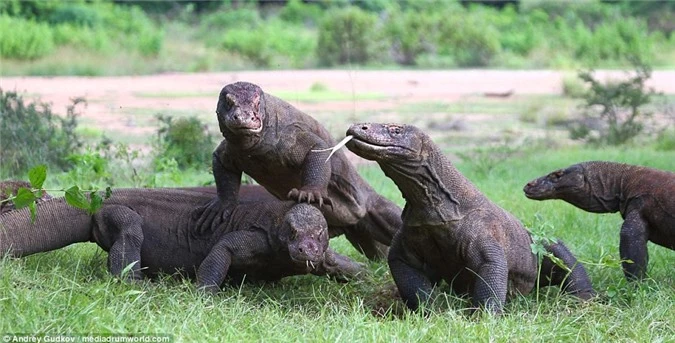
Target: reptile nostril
x,y
364,127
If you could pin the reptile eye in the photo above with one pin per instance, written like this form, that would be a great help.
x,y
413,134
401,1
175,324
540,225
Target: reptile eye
x,y
557,174
229,101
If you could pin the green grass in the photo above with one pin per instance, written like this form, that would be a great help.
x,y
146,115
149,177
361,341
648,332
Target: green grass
x,y
69,291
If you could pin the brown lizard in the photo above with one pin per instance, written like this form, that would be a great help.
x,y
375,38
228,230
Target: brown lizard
x,y
152,229
451,231
281,148
644,196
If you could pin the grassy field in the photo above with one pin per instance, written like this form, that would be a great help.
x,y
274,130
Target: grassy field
x,y
70,292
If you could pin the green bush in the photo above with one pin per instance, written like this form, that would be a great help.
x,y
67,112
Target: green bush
x,y
76,14
276,44
295,11
24,39
616,41
469,40
411,33
35,10
573,87
227,18
184,140
518,33
346,35
84,37
32,134
618,104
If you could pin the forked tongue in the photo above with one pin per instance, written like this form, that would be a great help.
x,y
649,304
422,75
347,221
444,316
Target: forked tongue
x,y
335,148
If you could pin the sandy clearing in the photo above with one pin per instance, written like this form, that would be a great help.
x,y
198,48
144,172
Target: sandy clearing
x,y
112,99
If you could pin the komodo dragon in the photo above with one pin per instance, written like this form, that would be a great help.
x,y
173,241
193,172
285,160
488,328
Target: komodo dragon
x,y
275,143
265,240
451,231
645,197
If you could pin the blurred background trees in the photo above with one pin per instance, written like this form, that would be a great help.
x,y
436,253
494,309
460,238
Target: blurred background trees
x,y
159,36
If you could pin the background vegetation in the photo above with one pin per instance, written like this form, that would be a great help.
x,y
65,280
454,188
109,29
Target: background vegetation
x,y
104,37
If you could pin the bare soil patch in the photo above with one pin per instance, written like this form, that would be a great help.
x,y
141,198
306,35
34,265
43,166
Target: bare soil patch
x,y
126,105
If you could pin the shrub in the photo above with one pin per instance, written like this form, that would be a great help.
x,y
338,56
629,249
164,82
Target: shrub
x,y
518,33
34,10
618,104
412,34
573,87
24,39
276,44
76,14
298,12
132,27
227,18
346,35
32,134
184,140
616,41
472,42
84,37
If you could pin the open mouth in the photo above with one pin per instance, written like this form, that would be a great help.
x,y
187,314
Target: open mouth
x,y
309,264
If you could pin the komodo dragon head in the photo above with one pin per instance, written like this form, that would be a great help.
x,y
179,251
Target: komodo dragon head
x,y
241,111
388,142
305,232
561,184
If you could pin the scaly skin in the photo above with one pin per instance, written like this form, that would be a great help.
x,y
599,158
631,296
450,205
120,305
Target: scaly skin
x,y
273,142
451,231
644,197
262,239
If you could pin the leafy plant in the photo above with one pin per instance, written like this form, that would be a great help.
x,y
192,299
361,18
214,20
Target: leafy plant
x,y
296,11
185,140
469,40
74,196
32,134
346,36
618,104
276,44
411,33
28,39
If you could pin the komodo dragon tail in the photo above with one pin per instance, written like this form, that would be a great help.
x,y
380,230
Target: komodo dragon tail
x,y
57,225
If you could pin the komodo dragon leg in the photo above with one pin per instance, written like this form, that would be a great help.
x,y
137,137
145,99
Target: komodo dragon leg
x,y
633,246
239,248
491,283
364,242
413,285
574,281
122,230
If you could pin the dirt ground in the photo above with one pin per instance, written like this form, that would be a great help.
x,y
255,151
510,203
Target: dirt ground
x,y
114,103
